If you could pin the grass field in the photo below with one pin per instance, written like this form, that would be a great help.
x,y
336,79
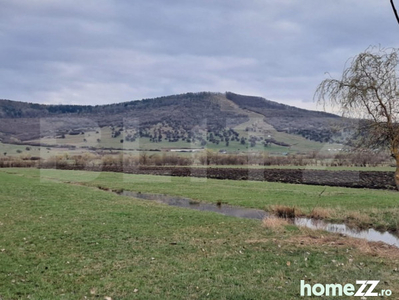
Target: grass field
x,y
63,240
103,139
361,207
23,151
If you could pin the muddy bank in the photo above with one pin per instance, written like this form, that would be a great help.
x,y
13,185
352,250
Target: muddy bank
x,y
353,179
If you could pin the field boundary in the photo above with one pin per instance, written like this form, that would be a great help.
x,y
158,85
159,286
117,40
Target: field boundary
x,y
351,179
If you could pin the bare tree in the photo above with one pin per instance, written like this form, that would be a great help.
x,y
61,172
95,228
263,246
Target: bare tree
x,y
369,90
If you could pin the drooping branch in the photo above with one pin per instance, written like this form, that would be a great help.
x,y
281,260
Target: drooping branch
x,y
368,89
394,11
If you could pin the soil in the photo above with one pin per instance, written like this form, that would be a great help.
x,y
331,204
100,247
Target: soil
x,y
353,179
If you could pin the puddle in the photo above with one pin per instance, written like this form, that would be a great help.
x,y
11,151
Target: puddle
x,y
371,235
223,209
258,214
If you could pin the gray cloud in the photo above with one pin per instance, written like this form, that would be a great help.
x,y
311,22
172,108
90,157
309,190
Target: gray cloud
x,y
104,51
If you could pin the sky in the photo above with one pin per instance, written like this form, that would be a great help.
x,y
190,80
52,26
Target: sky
x,y
107,51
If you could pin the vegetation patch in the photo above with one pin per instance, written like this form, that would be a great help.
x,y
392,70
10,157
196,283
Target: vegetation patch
x,y
64,240
275,224
320,213
286,212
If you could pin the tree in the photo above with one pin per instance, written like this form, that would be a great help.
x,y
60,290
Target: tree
x,y
369,89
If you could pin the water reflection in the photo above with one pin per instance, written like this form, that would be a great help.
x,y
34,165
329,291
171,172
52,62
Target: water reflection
x,y
249,213
368,234
223,209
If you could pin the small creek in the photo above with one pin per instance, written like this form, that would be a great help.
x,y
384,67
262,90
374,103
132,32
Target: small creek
x,y
249,213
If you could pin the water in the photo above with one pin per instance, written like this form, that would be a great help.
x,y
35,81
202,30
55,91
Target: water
x,y
249,213
223,209
371,235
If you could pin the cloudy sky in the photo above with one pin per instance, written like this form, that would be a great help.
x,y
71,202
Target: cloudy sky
x,y
107,51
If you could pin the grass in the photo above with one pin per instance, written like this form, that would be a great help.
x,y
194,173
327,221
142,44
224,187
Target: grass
x,y
65,241
297,142
283,211
21,151
275,224
380,206
103,138
320,213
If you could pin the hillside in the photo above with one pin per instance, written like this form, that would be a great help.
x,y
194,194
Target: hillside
x,y
186,120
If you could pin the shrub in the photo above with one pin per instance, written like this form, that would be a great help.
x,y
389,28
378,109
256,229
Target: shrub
x,y
283,211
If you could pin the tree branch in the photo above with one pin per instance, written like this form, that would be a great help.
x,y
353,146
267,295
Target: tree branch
x,y
395,12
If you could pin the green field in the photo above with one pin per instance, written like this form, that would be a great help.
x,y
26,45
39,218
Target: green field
x,y
26,151
22,152
102,138
362,207
61,238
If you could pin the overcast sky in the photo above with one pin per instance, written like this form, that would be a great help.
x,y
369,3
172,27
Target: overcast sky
x,y
107,51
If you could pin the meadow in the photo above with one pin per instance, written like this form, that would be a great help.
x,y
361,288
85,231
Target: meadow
x,y
358,207
63,238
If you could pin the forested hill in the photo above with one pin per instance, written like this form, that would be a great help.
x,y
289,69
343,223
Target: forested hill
x,y
17,109
182,112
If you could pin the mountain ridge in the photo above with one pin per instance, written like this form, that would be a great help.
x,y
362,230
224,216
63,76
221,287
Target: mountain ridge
x,y
16,105
202,117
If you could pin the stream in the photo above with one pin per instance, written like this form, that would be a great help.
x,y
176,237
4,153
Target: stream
x,y
258,214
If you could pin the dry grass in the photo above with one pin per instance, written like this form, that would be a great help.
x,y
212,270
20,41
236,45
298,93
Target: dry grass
x,y
18,162
357,219
357,216
315,239
321,240
321,213
275,224
283,211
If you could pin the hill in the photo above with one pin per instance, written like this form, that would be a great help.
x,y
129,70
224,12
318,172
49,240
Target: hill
x,y
221,120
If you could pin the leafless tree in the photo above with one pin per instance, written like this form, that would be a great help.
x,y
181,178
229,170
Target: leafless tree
x,y
369,89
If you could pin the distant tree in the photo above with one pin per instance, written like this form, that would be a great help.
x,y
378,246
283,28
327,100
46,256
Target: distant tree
x,y
369,89
143,158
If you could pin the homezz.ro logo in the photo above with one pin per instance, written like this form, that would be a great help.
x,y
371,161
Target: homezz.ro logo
x,y
366,289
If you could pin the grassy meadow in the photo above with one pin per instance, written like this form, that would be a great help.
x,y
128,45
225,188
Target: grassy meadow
x,y
359,207
62,238
102,138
